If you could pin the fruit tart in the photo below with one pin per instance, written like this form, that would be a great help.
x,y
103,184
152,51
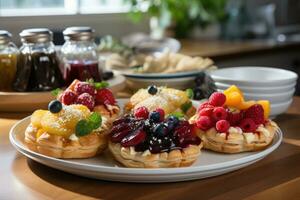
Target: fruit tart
x,y
94,95
67,131
229,124
169,99
151,140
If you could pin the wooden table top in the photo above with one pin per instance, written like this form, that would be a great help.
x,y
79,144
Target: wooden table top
x,y
275,177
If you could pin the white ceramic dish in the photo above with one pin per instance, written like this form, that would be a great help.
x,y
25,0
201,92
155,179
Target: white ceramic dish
x,y
103,167
259,90
254,76
273,98
279,108
29,101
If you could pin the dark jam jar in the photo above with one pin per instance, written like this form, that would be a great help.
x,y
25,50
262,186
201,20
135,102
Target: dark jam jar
x,y
79,55
38,67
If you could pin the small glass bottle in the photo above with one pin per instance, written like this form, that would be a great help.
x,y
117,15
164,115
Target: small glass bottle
x,y
38,67
8,61
79,55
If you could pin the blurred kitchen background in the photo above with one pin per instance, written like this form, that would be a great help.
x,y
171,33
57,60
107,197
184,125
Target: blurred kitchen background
x,y
232,32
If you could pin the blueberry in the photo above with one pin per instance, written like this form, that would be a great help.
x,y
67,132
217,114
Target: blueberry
x,y
172,122
152,89
54,106
160,130
154,116
198,94
199,80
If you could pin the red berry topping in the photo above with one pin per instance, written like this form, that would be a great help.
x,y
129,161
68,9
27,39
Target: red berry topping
x,y
118,136
141,112
134,138
234,118
255,112
68,97
83,87
105,96
204,123
219,113
217,99
222,126
248,125
161,113
87,100
206,112
204,105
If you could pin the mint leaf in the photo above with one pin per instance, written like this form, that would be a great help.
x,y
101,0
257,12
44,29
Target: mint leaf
x,y
100,85
56,91
177,114
82,128
95,120
189,93
90,81
186,106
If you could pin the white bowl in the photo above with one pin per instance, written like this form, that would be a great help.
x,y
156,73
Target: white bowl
x,y
273,98
259,90
254,76
279,108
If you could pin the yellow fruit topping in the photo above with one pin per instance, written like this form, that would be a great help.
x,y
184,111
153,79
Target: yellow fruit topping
x,y
36,118
266,106
235,98
40,132
54,125
62,123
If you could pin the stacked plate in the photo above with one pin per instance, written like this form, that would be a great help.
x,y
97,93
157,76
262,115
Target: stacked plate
x,y
275,85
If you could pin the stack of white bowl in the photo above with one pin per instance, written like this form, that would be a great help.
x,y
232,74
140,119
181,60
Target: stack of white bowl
x,y
260,83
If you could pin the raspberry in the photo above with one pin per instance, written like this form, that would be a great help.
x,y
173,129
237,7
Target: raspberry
x,y
206,112
219,113
87,100
105,96
141,112
222,126
255,112
162,113
248,125
83,87
204,123
217,99
204,105
68,97
234,118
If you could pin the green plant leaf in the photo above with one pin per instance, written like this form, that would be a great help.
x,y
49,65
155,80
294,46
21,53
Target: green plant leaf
x,y
82,128
56,91
177,114
190,93
100,85
95,120
186,106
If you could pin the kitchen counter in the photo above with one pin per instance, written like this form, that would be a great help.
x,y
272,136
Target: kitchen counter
x,y
217,49
275,177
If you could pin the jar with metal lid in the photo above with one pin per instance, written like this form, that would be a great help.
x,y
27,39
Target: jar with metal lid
x,y
79,55
8,61
38,67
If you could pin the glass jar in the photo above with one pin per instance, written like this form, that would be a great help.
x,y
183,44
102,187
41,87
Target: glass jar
x,y
79,55
38,67
8,61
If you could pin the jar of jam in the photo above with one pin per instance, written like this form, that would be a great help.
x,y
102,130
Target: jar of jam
x,y
8,61
38,67
79,55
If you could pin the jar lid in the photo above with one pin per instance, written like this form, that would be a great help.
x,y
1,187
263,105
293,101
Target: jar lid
x,y
79,33
35,35
5,37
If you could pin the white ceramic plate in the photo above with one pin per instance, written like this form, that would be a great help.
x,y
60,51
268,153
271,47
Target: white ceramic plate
x,y
254,76
29,101
105,168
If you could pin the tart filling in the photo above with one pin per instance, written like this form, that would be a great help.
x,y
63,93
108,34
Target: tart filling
x,y
146,139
